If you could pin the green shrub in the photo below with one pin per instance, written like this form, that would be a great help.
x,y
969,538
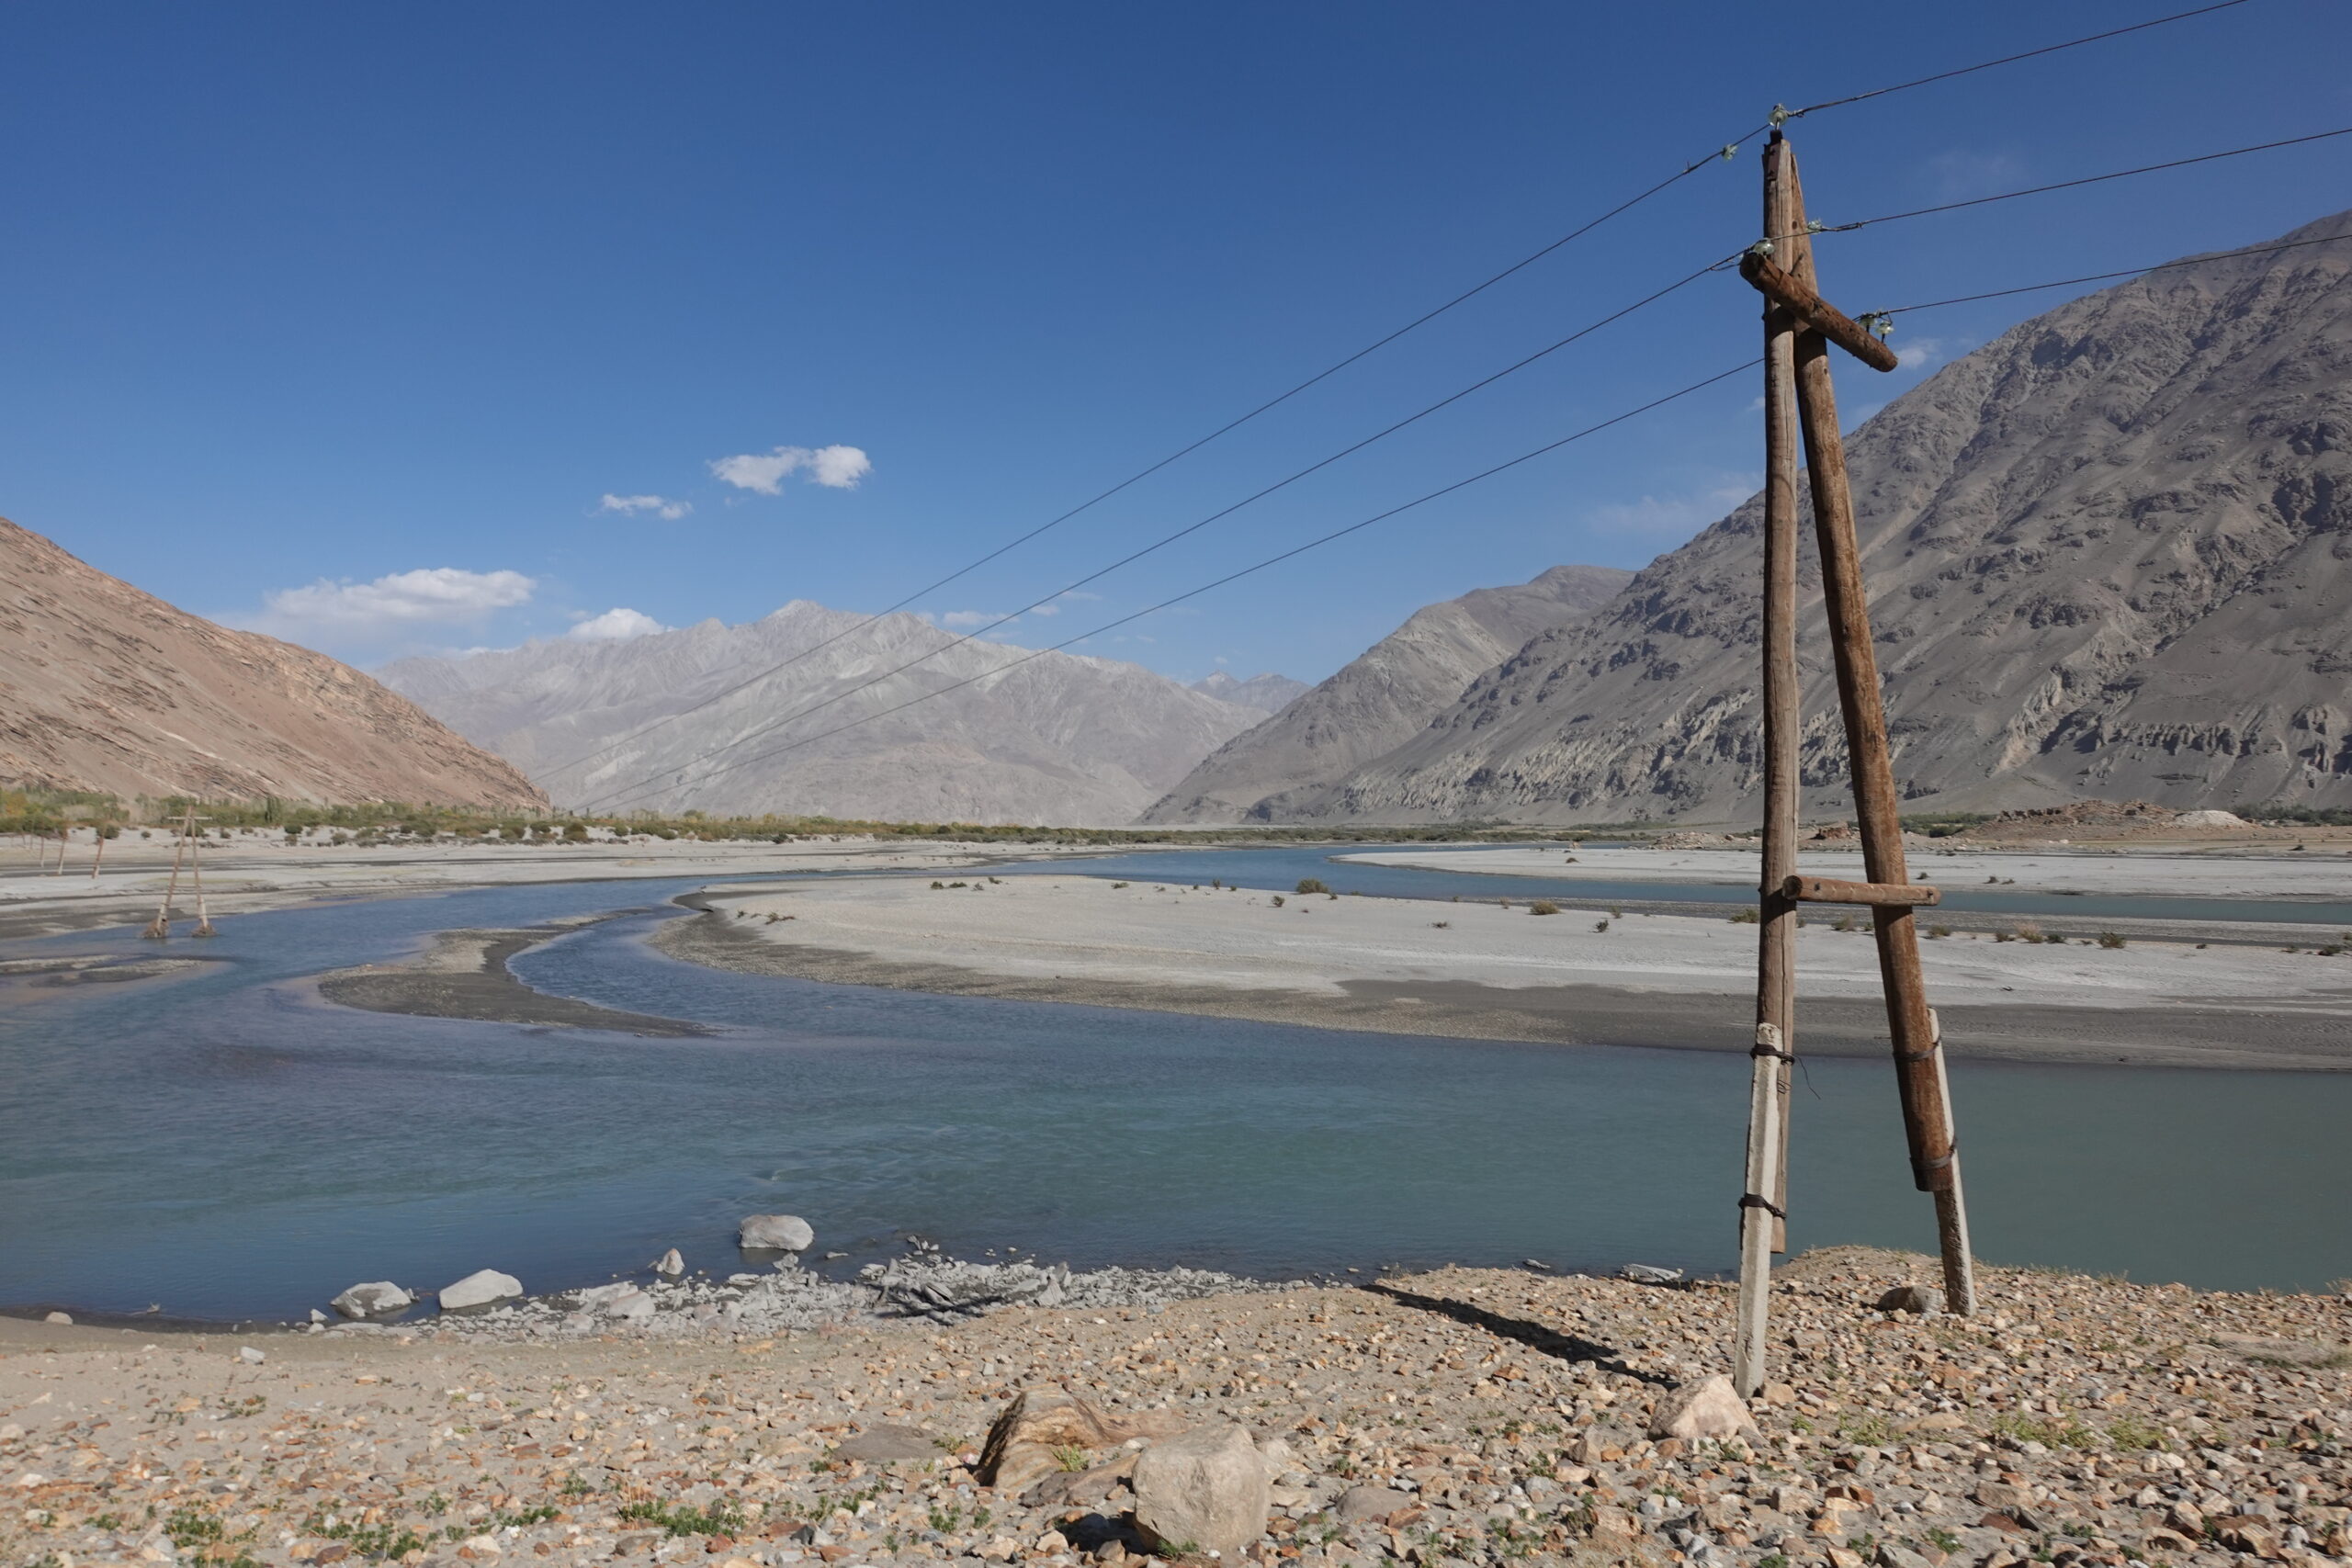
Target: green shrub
x,y
1543,906
2109,939
1311,884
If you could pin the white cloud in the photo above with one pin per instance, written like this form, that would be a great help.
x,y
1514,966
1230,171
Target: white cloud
x,y
1920,353
659,505
835,467
1962,173
967,618
1682,514
1046,609
429,594
616,625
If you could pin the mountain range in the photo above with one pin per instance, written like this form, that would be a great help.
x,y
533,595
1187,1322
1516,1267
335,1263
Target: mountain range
x,y
2108,554
106,688
1383,698
808,712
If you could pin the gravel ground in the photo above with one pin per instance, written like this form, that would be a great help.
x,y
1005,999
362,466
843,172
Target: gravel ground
x,y
1469,1416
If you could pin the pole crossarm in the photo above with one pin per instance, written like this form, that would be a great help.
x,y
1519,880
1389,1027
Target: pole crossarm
x,y
1815,313
1882,895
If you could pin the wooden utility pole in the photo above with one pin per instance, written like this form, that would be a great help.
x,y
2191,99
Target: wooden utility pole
x,y
1763,1212
1800,327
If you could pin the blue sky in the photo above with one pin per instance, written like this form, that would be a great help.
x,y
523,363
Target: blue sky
x,y
345,322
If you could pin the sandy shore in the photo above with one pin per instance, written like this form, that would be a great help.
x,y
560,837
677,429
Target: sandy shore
x,y
1482,970
262,871
1471,1418
2273,874
463,974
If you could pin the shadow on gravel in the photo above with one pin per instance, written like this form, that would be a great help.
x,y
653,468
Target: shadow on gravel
x,y
1534,1335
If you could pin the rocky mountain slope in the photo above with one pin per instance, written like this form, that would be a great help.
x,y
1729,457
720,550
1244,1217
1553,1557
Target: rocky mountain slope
x,y
103,687
2109,553
1384,698
1268,693
1054,738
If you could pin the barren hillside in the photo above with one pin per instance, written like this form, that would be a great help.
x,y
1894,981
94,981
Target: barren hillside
x,y
103,687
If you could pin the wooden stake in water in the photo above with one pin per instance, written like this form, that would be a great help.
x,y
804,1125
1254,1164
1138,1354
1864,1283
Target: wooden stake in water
x,y
196,870
160,928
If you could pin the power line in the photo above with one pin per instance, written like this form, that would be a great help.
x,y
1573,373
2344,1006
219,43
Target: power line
x,y
2108,277
1271,561
1168,539
1190,528
1724,153
2010,59
2069,185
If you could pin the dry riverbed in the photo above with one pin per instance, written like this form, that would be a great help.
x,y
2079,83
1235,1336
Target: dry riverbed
x,y
1462,1416
1584,975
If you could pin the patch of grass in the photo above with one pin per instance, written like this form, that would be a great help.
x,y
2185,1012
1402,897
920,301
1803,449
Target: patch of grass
x,y
2132,1435
1938,931
380,1543
1866,1427
1070,1457
678,1519
1601,925
525,1518
1943,1539
1842,923
2053,1434
1441,925
1543,906
1311,884
2027,931
1745,916
2109,940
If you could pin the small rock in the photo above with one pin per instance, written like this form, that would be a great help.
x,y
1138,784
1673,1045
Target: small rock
x,y
774,1233
317,1317
670,1265
479,1288
65,1317
1779,1394
250,1355
1707,1408
372,1300
1204,1489
1924,1301
1647,1274
884,1443
630,1306
1362,1504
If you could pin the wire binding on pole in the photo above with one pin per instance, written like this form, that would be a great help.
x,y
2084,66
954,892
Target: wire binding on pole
x,y
1751,1201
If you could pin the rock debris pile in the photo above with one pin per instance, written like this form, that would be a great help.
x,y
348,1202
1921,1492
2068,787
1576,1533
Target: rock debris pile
x,y
1463,1416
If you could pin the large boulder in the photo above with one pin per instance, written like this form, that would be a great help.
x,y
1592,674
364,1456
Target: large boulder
x,y
1203,1490
479,1288
1027,1441
776,1233
373,1299
1708,1409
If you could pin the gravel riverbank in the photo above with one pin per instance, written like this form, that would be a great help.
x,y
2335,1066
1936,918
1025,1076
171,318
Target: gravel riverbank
x,y
1462,1416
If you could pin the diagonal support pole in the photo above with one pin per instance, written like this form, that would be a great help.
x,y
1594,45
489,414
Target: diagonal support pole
x,y
1918,1048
